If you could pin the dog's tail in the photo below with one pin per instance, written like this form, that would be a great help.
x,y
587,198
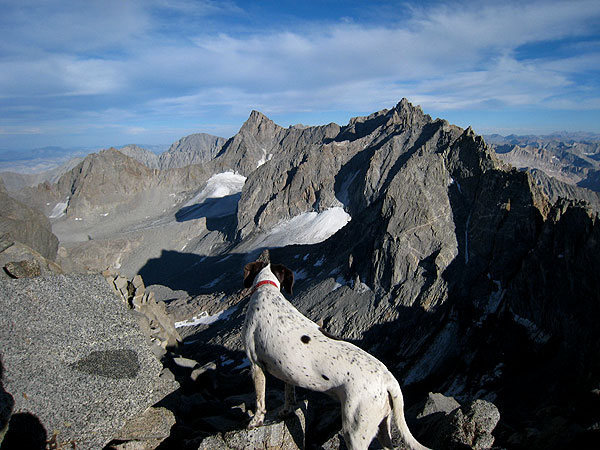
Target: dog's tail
x,y
397,404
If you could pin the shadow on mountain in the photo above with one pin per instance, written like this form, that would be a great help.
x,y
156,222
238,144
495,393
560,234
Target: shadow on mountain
x,y
198,274
220,213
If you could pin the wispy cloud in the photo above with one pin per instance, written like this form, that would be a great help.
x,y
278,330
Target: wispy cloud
x,y
144,62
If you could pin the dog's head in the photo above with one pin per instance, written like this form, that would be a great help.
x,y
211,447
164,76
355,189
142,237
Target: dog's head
x,y
283,274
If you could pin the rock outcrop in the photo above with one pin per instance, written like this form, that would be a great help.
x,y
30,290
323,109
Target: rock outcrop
x,y
21,261
443,423
285,434
74,360
26,225
153,318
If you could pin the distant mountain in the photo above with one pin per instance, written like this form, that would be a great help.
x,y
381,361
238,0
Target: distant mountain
x,y
532,139
143,155
572,158
192,149
15,181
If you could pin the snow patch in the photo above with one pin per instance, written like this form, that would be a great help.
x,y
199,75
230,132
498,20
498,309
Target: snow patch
x,y
219,186
264,158
306,228
60,209
338,283
205,319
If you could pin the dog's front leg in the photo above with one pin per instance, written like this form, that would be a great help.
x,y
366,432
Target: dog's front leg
x,y
290,401
258,376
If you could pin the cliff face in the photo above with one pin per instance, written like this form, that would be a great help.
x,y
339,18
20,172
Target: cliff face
x,y
26,225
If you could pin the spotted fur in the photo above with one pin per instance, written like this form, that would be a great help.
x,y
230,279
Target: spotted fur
x,y
285,343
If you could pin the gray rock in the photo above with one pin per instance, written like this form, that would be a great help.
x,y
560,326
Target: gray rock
x,y
150,428
443,423
19,260
208,367
284,435
28,268
185,362
76,357
154,320
27,225
436,403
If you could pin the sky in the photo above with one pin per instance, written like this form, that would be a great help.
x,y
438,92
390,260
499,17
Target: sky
x,y
100,73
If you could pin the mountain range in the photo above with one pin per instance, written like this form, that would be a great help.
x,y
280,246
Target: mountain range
x,y
410,236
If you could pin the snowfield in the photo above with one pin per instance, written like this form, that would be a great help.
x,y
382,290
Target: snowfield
x,y
219,197
219,186
307,228
205,319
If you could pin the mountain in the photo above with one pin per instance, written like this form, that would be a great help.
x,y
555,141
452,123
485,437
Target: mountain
x,y
192,149
572,158
142,155
407,235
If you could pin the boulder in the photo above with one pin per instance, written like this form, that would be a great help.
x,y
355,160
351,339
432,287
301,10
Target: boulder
x,y
28,268
153,318
474,426
17,260
75,359
281,435
443,423
147,430
27,225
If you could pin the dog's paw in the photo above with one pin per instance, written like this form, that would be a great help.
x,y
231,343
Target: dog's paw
x,y
256,421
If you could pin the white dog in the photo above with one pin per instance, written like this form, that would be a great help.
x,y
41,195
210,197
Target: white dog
x,y
283,342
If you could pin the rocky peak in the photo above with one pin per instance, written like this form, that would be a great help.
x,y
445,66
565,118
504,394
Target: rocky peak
x,y
260,127
142,155
407,115
193,149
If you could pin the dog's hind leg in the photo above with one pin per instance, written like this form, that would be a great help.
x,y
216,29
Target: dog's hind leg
x,y
384,435
258,376
290,401
360,424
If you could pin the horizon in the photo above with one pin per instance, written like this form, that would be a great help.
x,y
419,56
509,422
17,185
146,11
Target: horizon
x,y
107,73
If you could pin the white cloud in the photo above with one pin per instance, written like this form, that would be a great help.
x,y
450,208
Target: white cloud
x,y
455,57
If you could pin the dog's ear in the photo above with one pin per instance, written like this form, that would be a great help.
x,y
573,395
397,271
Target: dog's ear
x,y
284,275
250,272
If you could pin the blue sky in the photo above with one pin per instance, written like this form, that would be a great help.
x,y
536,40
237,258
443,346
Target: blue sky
x,y
111,72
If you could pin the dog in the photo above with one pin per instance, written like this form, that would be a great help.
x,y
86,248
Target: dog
x,y
285,343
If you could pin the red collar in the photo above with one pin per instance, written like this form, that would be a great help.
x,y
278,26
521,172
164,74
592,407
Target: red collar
x,y
262,283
